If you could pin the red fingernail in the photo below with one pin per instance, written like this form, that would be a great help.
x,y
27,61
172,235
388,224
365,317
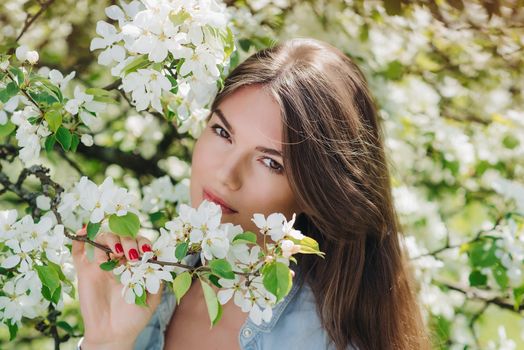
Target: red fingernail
x,y
118,248
133,254
84,226
146,248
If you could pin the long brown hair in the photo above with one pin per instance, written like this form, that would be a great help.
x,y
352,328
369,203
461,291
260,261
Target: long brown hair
x,y
335,162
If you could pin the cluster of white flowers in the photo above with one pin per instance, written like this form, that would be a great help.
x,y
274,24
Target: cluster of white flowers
x,y
142,133
141,276
84,105
24,54
161,191
29,135
503,342
89,202
202,231
510,250
31,125
171,50
28,245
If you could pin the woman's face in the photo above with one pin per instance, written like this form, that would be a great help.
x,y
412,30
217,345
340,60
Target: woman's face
x,y
237,160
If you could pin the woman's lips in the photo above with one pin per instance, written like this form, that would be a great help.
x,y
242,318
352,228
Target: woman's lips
x,y
217,200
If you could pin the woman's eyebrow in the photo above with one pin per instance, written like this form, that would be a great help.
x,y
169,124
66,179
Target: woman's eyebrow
x,y
262,149
224,120
271,151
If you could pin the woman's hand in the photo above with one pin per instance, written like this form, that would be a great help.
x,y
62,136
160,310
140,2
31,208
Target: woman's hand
x,y
110,322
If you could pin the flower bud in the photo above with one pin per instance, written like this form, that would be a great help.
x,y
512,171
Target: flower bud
x,y
87,140
269,258
32,57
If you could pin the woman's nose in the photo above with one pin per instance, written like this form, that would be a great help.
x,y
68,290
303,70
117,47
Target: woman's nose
x,y
229,172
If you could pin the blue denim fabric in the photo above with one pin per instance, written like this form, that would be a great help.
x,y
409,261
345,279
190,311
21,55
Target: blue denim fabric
x,y
294,325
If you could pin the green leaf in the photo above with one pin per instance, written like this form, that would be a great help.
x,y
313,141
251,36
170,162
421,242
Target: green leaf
x,y
49,143
105,99
245,44
518,293
63,278
63,136
277,279
158,219
109,265
4,96
51,88
92,230
501,276
222,268
98,92
43,98
510,142
13,329
12,89
481,257
181,250
66,327
141,300
213,306
58,270
214,279
477,278
181,285
7,129
55,298
246,237
139,62
75,140
54,119
395,70
229,42
49,277
18,74
235,58
310,243
126,225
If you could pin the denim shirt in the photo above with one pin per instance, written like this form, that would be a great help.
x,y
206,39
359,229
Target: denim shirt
x,y
294,324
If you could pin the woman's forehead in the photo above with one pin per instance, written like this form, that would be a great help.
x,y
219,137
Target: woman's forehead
x,y
251,113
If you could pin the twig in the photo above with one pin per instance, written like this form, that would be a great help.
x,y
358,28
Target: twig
x,y
113,85
30,20
70,161
448,246
25,93
477,294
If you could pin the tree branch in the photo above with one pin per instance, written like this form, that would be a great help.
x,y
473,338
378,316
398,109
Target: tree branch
x,y
31,19
131,161
473,293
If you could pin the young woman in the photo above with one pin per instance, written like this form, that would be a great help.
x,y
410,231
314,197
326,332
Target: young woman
x,y
294,130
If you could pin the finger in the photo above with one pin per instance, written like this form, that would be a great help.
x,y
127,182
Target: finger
x,y
78,247
112,241
130,248
144,245
108,240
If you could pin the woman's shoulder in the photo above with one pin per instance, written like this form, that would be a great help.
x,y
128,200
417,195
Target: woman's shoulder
x,y
299,326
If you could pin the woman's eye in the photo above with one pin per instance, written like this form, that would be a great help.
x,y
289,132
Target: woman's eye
x,y
220,131
273,165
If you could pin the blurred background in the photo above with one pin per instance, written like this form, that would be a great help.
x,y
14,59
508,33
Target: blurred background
x,y
448,77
